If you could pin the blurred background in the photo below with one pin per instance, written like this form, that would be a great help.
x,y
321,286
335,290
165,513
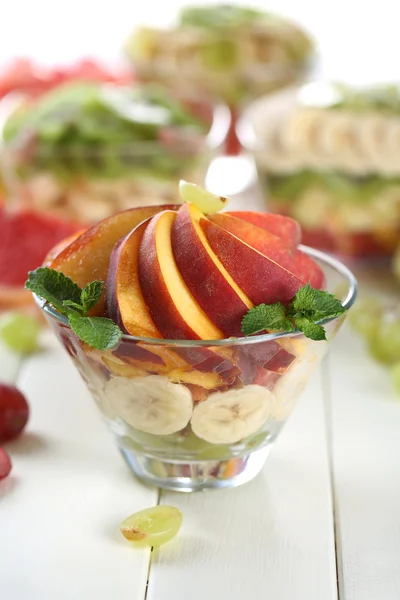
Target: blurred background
x,y
296,113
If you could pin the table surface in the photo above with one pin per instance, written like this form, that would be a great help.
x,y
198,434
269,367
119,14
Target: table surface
x,y
321,521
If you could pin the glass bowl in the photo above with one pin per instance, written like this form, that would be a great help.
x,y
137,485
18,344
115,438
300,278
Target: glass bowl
x,y
333,168
196,415
94,177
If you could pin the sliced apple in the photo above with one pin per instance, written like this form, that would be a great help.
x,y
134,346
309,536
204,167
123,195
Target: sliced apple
x,y
213,288
274,247
262,279
124,299
88,256
172,307
284,227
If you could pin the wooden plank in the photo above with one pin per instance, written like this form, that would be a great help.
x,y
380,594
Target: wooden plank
x,y
69,491
366,466
271,538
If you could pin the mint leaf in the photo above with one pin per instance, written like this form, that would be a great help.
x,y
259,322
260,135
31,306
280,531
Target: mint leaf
x,y
327,306
91,294
266,316
53,286
310,329
315,304
73,305
98,332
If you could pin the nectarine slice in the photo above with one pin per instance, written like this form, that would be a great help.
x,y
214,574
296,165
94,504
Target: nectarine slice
x,y
284,227
215,291
87,257
274,247
262,279
124,299
172,307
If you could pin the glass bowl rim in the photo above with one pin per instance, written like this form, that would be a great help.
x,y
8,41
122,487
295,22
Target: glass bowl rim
x,y
347,303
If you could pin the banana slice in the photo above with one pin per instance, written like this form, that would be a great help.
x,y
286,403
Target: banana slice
x,y
228,417
152,404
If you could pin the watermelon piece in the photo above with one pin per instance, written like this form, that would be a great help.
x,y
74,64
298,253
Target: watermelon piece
x,y
26,238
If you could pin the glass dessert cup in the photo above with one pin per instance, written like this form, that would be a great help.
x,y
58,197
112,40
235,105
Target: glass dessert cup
x,y
91,180
327,156
197,415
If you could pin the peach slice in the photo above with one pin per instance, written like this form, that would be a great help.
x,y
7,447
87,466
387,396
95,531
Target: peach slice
x,y
214,290
124,299
172,307
262,279
272,246
284,227
87,257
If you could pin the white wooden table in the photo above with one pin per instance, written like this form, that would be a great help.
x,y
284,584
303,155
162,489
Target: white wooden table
x,y
321,522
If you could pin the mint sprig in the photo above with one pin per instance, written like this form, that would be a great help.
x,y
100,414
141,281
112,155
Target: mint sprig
x,y
75,303
307,308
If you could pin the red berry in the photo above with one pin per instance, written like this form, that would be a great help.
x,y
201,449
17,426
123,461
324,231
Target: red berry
x,y
14,412
5,464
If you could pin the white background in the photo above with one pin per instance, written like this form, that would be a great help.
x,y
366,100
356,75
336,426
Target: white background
x,y
358,39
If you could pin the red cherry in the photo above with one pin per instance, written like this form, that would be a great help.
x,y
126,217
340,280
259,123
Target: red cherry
x,y
5,464
14,412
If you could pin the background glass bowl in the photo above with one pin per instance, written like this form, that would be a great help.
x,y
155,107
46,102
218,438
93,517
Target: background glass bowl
x,y
87,187
164,400
339,211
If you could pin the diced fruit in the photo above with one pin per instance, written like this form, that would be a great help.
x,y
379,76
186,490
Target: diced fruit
x,y
5,464
201,198
284,227
14,412
26,237
87,257
210,284
261,279
152,404
229,417
124,298
152,526
19,331
273,247
173,309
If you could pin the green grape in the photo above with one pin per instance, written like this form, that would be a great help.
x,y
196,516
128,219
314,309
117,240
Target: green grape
x,y
19,331
395,373
365,317
152,526
385,344
204,200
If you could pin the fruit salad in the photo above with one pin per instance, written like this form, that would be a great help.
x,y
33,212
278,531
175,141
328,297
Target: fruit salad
x,y
194,329
328,155
227,51
84,151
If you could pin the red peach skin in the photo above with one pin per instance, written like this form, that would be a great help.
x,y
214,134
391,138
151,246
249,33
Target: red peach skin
x,y
215,291
261,279
284,227
274,247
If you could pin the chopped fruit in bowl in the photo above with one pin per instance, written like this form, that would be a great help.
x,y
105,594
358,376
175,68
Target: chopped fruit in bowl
x,y
328,156
223,50
85,150
194,330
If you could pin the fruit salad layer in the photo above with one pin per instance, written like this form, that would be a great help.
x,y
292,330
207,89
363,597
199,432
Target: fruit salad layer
x,y
208,280
224,50
84,151
329,156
